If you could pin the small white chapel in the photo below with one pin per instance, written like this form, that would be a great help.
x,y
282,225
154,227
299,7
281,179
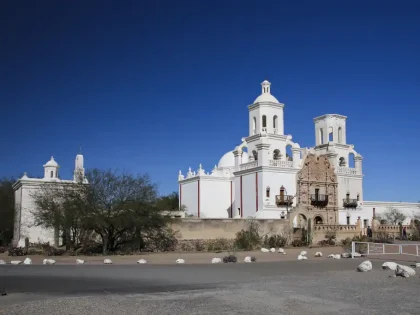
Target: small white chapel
x,y
25,187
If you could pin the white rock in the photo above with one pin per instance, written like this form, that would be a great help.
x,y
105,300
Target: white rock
x,y
404,271
247,259
80,261
107,261
273,250
16,262
264,250
2,262
318,254
389,265
48,262
365,266
216,260
356,254
281,251
345,255
142,261
331,256
417,265
27,261
180,261
300,257
303,253
304,257
337,256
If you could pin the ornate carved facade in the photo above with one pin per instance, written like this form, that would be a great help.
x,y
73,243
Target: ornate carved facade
x,y
317,190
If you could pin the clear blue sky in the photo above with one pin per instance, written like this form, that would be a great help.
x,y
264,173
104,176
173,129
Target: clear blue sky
x,y
158,86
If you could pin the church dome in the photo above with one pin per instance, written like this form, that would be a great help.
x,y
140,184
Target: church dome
x,y
228,160
266,94
51,162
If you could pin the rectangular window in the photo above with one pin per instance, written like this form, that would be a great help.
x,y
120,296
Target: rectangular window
x,y
348,220
317,194
52,174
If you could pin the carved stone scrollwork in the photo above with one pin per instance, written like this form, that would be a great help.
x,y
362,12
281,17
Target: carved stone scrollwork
x,y
317,187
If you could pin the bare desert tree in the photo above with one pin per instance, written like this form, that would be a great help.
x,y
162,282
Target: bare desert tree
x,y
393,215
60,207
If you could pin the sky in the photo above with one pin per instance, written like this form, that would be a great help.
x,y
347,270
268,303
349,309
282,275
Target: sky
x,y
159,86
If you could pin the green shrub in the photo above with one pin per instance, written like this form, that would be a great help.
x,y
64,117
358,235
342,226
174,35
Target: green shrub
x,y
331,236
219,244
346,241
248,239
298,243
276,241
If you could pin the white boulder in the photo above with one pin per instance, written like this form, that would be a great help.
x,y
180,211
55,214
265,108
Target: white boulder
x,y
301,257
27,261
331,256
417,265
216,260
345,255
247,259
281,251
107,261
356,254
365,266
48,262
142,261
16,262
180,261
80,261
303,253
265,250
2,262
337,256
318,254
404,271
389,265
273,250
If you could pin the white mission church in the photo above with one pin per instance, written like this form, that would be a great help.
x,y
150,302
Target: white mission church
x,y
258,179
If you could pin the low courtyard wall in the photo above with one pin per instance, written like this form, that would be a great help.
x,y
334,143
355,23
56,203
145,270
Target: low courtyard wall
x,y
206,229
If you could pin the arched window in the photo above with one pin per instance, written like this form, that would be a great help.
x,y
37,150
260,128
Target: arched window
x,y
321,136
254,125
342,162
351,162
52,174
276,154
340,135
330,134
275,122
255,154
267,192
264,121
289,153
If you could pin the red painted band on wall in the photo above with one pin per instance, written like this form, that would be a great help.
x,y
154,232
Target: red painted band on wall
x,y
242,206
256,192
231,201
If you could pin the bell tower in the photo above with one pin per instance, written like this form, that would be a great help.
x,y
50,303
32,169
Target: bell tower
x,y
266,113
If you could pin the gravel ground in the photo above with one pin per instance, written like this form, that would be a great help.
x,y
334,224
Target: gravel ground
x,y
288,287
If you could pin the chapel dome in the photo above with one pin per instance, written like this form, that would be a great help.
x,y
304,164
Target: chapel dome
x,y
266,94
51,162
228,160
